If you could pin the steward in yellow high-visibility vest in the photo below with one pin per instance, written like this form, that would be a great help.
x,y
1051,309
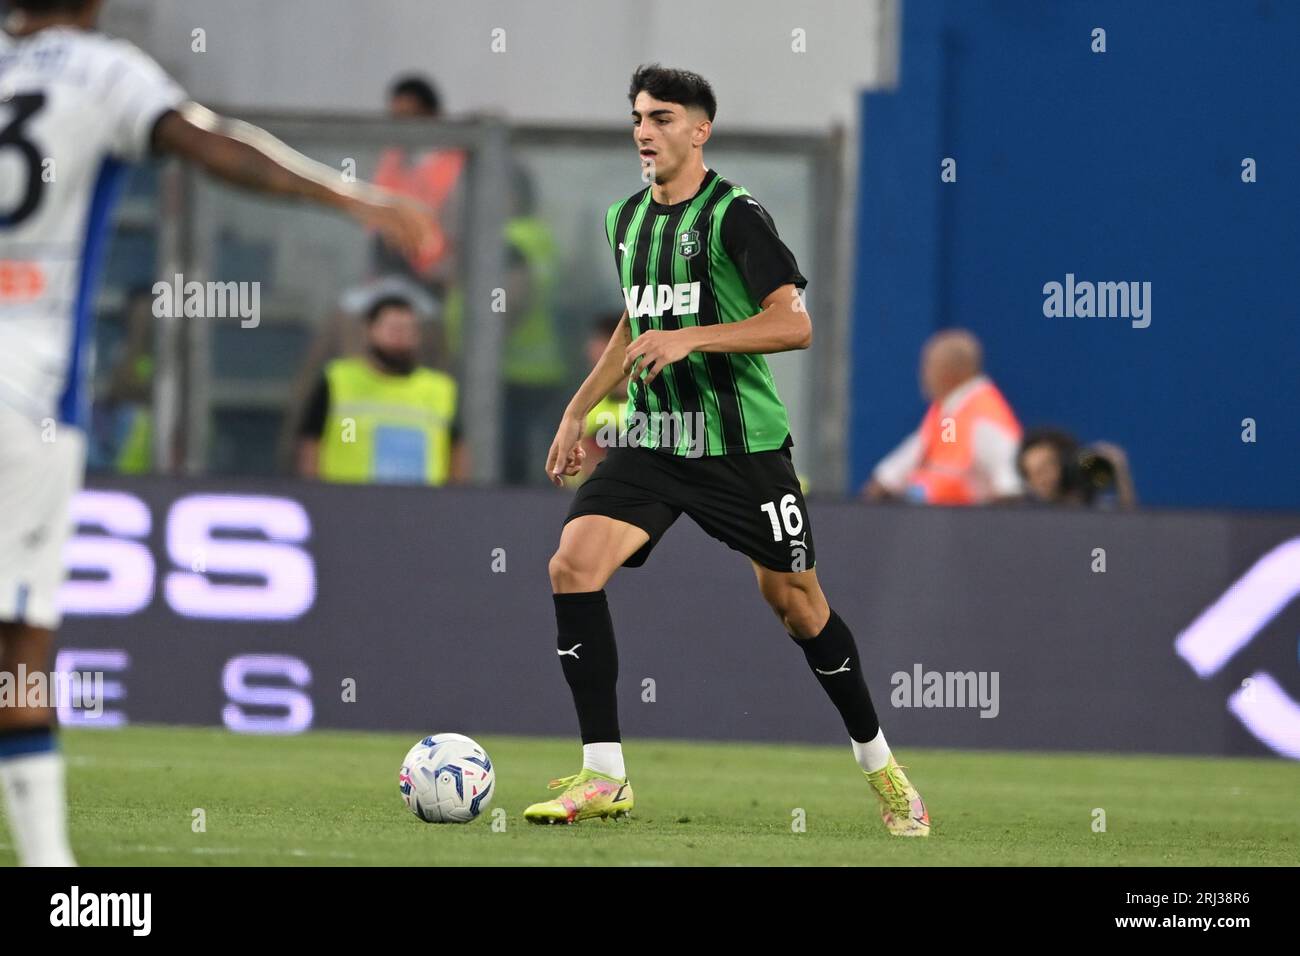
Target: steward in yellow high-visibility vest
x,y
380,418
387,427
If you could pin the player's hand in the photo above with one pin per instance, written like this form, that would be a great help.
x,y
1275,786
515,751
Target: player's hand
x,y
404,224
652,350
567,454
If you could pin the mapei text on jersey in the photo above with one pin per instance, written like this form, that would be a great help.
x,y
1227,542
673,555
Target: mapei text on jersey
x,y
680,298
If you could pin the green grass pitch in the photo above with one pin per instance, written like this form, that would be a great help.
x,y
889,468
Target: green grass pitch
x,y
328,798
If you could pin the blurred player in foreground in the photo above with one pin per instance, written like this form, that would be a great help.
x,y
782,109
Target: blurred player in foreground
x,y
710,289
82,104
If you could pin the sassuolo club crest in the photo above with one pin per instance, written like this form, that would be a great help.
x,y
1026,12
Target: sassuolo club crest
x,y
688,243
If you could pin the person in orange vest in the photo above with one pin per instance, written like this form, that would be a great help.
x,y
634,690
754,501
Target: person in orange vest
x,y
964,452
432,177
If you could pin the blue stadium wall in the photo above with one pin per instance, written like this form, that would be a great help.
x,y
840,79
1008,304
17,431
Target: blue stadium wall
x,y
1115,166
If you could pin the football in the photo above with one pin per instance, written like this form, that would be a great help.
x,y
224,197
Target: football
x,y
446,778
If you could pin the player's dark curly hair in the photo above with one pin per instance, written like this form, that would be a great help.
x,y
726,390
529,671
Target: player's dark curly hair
x,y
673,86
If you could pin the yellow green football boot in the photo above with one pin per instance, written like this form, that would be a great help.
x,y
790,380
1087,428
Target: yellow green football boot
x,y
901,807
586,794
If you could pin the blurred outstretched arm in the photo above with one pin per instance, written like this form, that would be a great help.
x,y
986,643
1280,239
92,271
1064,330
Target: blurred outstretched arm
x,y
251,158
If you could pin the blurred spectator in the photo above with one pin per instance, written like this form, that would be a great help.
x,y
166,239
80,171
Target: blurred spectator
x,y
381,417
414,95
430,176
964,452
606,419
533,368
1057,471
343,333
121,437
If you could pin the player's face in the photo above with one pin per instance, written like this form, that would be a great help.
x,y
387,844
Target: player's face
x,y
665,135
1042,471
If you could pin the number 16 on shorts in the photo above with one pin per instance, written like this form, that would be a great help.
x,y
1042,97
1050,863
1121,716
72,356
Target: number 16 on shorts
x,y
790,521
791,516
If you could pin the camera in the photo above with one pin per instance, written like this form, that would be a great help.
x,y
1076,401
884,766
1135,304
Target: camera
x,y
1095,474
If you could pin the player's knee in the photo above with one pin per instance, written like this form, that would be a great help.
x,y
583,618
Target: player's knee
x,y
802,622
569,575
560,569
805,623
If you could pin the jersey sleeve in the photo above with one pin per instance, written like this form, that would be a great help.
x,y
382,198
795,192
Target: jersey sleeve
x,y
611,220
750,239
611,224
137,93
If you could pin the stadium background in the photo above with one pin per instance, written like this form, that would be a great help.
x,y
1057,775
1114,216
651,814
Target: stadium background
x,y
1115,166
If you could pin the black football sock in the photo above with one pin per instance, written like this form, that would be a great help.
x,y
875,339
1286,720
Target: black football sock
x,y
585,643
833,658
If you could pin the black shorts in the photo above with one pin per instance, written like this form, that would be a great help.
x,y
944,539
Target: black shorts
x,y
750,502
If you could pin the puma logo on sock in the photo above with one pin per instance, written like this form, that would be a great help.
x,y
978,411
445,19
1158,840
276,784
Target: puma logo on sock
x,y
842,668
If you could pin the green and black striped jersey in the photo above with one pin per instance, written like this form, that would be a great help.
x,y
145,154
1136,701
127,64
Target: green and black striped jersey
x,y
708,259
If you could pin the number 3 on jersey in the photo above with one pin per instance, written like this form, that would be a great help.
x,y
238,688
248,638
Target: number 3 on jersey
x,y
24,106
790,517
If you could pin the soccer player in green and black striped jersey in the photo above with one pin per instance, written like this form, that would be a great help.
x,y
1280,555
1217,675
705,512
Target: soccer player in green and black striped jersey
x,y
705,260
709,290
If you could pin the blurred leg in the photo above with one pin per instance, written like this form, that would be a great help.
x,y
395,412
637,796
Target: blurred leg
x,y
31,767
40,471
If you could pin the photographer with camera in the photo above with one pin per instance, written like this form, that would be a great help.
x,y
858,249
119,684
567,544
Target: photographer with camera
x,y
1058,471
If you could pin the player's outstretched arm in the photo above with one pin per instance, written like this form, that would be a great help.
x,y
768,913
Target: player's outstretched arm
x,y
249,157
566,454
